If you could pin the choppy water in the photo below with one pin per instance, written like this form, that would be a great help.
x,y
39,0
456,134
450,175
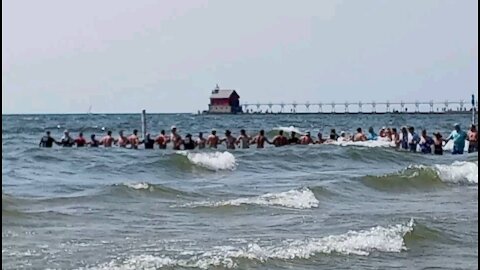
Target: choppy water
x,y
299,207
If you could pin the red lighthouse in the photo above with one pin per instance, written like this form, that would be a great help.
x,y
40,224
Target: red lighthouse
x,y
224,101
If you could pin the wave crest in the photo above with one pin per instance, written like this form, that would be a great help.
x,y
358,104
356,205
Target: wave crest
x,y
213,161
361,243
421,176
297,199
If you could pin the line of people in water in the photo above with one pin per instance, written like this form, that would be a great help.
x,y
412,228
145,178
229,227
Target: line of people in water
x,y
407,139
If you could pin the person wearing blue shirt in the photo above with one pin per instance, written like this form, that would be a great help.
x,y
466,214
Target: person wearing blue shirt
x,y
458,136
372,136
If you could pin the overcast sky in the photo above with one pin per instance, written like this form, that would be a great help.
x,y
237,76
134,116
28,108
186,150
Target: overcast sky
x,y
165,56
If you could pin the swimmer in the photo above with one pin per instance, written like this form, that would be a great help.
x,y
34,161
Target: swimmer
x,y
293,139
122,141
47,141
133,139
229,140
93,142
66,140
213,140
359,136
306,139
458,136
162,140
188,143
175,138
80,141
107,140
279,140
243,139
260,139
201,142
148,141
473,139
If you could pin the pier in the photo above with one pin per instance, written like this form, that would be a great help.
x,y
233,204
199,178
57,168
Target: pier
x,y
373,107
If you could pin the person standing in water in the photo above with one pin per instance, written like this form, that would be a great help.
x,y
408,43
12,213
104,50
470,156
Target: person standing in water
x,y
201,142
413,139
437,144
279,140
175,138
359,136
293,139
66,140
80,140
162,140
395,137
229,140
243,140
473,139
403,138
320,139
148,142
333,135
213,140
458,136
260,139
372,136
93,142
426,143
133,139
122,141
47,141
306,139
188,143
108,140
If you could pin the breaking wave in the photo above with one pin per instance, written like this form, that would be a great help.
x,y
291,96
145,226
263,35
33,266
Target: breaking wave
x,y
426,177
213,161
297,199
360,243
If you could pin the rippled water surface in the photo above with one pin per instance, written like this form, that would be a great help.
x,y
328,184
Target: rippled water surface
x,y
296,207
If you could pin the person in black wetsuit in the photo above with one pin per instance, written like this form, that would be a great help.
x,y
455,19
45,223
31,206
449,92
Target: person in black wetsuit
x,y
148,142
94,142
47,141
188,143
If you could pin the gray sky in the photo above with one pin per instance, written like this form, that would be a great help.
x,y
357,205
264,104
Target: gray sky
x,y
166,56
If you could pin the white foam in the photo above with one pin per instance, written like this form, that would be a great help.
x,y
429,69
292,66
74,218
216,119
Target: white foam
x,y
361,243
289,130
138,186
458,172
212,161
298,199
376,143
